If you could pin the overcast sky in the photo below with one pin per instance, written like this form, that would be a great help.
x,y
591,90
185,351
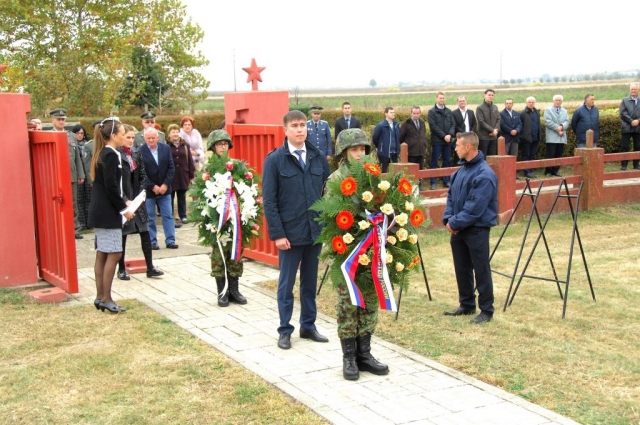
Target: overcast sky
x,y
343,43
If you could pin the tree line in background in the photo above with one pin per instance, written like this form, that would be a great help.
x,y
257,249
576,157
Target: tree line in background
x,y
95,56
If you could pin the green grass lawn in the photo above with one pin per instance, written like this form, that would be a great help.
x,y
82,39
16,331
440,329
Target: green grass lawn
x,y
68,365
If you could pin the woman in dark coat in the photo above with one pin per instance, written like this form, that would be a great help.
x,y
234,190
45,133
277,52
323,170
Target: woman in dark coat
x,y
84,189
133,183
185,169
107,208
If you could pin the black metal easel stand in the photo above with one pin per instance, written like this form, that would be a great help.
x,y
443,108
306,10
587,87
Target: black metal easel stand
x,y
574,233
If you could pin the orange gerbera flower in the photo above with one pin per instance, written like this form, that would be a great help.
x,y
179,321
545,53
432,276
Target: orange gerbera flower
x,y
405,186
415,261
344,220
372,169
417,217
338,245
348,186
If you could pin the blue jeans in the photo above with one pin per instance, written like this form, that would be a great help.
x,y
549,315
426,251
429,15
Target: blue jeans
x,y
445,150
168,225
305,256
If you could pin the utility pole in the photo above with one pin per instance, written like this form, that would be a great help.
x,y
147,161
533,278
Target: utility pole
x,y
500,82
234,70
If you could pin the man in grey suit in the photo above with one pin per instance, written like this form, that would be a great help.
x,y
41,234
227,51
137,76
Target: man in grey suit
x,y
556,123
630,118
58,120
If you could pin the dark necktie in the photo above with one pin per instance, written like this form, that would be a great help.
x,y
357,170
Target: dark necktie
x,y
299,153
316,126
417,123
348,123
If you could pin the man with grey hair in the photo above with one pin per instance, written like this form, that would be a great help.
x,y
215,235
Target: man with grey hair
x,y
586,117
158,163
530,134
556,125
630,118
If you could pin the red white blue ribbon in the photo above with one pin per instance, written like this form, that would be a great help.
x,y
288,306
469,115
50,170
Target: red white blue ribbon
x,y
377,237
230,212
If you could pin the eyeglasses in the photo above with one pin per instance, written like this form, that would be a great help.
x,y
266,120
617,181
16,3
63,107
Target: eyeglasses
x,y
222,144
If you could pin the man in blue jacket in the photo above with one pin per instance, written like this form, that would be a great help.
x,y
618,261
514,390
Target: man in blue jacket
x,y
510,126
386,138
586,117
293,179
471,211
158,163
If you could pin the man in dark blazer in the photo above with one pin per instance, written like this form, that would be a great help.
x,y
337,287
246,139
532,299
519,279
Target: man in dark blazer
x,y
347,120
464,118
630,119
413,132
510,128
158,164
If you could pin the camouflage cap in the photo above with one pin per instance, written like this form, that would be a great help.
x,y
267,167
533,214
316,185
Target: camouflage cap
x,y
216,136
352,137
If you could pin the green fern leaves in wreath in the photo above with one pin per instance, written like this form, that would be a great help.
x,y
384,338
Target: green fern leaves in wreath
x,y
207,194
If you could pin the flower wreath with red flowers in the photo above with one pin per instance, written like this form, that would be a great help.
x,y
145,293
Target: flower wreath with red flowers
x,y
370,231
222,183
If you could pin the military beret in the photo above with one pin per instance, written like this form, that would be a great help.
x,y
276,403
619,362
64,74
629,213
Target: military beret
x,y
58,113
148,116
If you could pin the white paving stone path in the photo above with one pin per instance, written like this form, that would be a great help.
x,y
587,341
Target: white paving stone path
x,y
416,391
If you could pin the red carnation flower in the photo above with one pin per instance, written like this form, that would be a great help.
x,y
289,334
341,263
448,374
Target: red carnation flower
x,y
206,176
405,186
344,220
348,186
338,245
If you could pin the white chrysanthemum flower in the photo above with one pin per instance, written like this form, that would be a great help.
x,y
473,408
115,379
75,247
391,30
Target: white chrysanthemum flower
x,y
413,238
399,267
347,238
392,240
384,185
389,258
409,206
367,196
364,224
402,235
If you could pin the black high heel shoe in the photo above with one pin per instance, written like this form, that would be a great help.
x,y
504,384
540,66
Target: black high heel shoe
x,y
96,303
110,306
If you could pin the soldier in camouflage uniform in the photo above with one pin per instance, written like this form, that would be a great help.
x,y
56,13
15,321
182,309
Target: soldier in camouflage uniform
x,y
355,324
220,142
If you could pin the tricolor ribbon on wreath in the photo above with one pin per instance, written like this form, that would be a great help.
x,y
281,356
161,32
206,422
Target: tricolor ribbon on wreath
x,y
230,212
377,237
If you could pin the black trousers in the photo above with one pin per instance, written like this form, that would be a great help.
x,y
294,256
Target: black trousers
x,y
488,147
384,161
182,202
145,241
529,152
470,249
626,138
554,150
417,160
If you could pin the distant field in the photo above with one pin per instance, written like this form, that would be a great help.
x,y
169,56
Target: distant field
x,y
606,95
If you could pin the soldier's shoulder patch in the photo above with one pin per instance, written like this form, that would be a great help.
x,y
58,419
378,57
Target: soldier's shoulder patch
x,y
323,121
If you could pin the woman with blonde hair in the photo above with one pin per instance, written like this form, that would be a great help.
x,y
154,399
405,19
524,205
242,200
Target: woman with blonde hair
x,y
107,208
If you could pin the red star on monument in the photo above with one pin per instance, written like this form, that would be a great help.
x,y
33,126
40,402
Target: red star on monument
x,y
254,74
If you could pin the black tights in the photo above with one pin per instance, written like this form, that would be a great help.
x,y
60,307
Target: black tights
x,y
145,241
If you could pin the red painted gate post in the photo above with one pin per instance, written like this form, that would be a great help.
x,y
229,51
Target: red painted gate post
x,y
505,169
592,171
18,258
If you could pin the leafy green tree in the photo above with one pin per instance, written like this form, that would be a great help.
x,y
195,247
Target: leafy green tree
x,y
78,53
145,84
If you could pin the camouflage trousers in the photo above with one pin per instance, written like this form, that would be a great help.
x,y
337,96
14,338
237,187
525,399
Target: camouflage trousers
x,y
354,321
234,267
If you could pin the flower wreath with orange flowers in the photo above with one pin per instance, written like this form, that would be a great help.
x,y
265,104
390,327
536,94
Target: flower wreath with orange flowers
x,y
370,231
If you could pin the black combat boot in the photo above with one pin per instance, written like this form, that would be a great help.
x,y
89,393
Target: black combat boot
x,y
234,293
349,366
223,301
366,362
